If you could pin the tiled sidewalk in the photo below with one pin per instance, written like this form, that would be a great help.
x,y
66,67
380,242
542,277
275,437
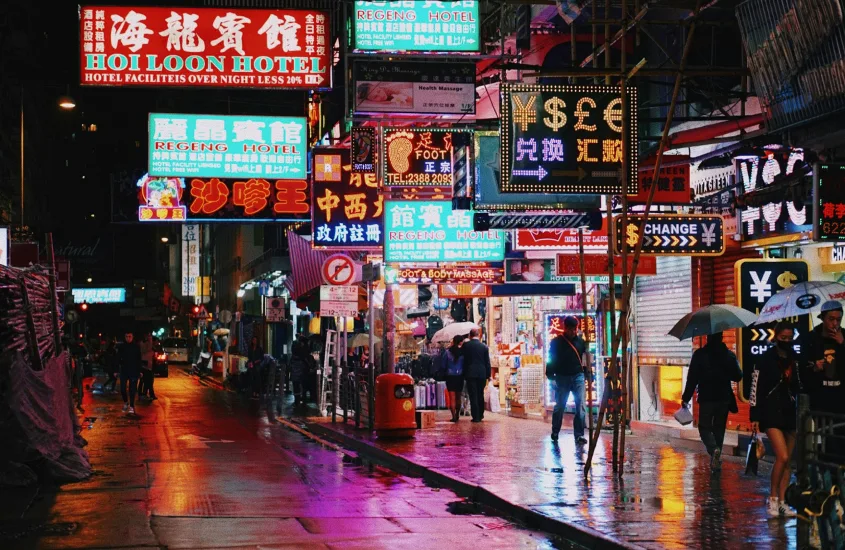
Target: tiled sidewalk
x,y
668,497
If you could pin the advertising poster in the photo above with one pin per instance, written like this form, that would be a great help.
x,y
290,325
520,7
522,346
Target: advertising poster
x,y
208,47
419,156
414,87
417,26
566,139
348,208
227,146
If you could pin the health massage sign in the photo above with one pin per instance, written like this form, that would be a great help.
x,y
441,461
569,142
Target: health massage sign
x,y
227,146
210,47
430,231
566,139
417,25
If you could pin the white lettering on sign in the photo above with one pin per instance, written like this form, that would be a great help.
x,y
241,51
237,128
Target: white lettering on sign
x,y
671,229
749,171
338,309
837,254
339,293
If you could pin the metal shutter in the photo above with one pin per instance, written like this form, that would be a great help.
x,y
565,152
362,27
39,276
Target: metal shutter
x,y
662,300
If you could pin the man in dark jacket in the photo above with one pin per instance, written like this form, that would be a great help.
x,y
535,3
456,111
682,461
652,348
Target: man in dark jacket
x,y
565,368
129,357
712,369
477,373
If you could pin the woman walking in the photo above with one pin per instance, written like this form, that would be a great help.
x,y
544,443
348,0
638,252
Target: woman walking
x,y
455,376
255,357
774,385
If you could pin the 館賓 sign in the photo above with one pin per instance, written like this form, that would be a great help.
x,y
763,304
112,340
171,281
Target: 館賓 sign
x,y
671,234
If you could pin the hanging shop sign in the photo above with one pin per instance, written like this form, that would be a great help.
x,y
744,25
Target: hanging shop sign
x,y
483,221
672,234
99,295
414,87
338,301
208,47
455,291
780,216
555,326
417,26
445,275
721,202
364,150
531,271
557,239
433,232
567,139
190,259
347,211
673,182
225,146
756,282
274,310
419,156
339,269
829,202
598,264
220,200
488,195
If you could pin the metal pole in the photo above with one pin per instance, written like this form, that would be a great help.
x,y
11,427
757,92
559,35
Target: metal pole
x,y
344,368
335,375
586,334
612,372
54,305
801,473
623,376
371,374
389,331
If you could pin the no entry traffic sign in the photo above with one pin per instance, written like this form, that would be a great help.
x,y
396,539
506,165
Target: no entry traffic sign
x,y
338,269
673,234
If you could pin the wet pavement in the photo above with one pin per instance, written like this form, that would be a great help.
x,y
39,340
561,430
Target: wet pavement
x,y
668,497
203,468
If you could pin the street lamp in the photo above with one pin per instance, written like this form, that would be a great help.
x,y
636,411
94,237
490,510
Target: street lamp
x,y
164,239
67,103
90,280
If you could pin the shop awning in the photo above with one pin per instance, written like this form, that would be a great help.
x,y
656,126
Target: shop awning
x,y
305,264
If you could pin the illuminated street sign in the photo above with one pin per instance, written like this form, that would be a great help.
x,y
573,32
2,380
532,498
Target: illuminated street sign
x,y
208,47
420,156
417,26
227,146
672,234
445,275
364,150
99,295
566,139
829,202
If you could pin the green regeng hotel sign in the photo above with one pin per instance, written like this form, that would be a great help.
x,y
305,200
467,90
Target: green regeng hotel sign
x,y
409,25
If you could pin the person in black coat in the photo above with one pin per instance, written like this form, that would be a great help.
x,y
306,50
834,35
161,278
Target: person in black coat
x,y
774,387
255,357
712,369
129,356
477,371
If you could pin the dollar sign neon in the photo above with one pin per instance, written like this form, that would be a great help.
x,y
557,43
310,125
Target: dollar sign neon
x,y
632,235
558,119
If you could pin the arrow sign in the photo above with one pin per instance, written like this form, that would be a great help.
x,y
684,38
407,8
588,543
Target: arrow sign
x,y
540,172
672,234
580,173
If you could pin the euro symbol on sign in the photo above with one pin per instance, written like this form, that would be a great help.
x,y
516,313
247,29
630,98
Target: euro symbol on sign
x,y
558,118
786,279
633,237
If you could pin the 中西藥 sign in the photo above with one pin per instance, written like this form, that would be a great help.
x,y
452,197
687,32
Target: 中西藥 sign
x,y
227,146
214,199
673,234
420,156
566,139
348,207
216,47
829,202
432,232
408,25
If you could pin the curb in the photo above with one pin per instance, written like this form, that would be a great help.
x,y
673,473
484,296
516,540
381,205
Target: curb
x,y
584,536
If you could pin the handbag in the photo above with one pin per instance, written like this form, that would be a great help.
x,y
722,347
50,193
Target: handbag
x,y
756,451
683,416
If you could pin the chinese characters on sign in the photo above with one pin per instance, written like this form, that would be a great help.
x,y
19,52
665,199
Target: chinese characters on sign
x,y
99,295
448,26
225,146
829,202
415,156
161,199
364,150
598,264
190,259
566,139
187,46
348,207
433,232
673,183
587,327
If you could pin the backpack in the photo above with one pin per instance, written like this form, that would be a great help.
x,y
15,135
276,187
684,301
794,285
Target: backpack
x,y
453,367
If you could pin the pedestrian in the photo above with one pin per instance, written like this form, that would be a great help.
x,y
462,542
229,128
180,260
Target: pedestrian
x,y
565,369
823,373
145,384
299,370
476,372
130,369
112,366
774,387
455,375
255,357
712,369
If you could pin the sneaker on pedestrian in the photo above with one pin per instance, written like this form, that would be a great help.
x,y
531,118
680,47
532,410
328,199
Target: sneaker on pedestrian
x,y
785,510
131,410
716,460
125,407
773,507
581,440
555,437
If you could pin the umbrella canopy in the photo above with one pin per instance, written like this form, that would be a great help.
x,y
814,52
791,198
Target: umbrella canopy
x,y
800,299
710,320
360,340
447,334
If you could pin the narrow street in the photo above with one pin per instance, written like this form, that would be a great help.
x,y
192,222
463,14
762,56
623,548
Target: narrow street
x,y
201,468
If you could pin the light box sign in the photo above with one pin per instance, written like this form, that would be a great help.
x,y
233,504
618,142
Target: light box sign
x,y
99,295
561,239
566,139
433,232
5,244
409,25
444,275
414,87
215,199
190,259
364,150
348,208
829,202
420,156
209,47
227,146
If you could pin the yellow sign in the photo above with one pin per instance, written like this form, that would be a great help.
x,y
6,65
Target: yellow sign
x,y
407,405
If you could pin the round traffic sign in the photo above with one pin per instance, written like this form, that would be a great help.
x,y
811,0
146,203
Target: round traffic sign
x,y
338,269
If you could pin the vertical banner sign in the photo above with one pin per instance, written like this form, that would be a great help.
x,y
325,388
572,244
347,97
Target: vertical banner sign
x,y
347,208
190,259
462,181
227,146
418,156
208,47
450,26
829,202
364,150
567,139
756,282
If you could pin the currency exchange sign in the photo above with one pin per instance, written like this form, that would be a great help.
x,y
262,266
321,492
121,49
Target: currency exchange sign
x,y
208,47
672,234
567,139
227,146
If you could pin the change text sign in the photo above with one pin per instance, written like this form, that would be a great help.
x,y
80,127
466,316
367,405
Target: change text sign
x,y
671,234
